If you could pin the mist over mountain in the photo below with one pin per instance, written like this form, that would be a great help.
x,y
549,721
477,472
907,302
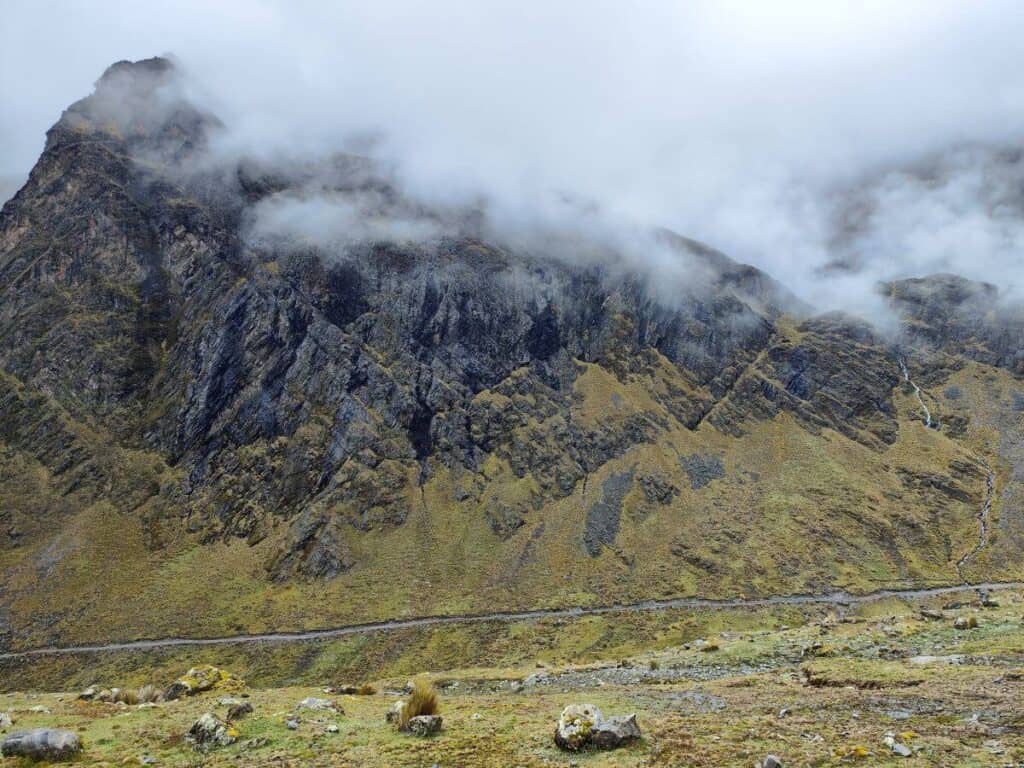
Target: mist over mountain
x,y
794,139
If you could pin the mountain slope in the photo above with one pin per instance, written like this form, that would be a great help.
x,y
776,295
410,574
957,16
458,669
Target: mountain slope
x,y
207,431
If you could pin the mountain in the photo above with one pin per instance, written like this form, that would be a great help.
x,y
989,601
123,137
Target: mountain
x,y
210,430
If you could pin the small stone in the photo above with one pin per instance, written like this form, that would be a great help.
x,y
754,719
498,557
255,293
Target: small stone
x,y
424,725
240,710
320,705
291,723
332,728
965,622
39,709
784,712
147,760
901,749
41,744
89,693
394,714
771,761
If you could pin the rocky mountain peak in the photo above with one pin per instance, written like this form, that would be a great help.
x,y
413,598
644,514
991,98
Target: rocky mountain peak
x,y
325,402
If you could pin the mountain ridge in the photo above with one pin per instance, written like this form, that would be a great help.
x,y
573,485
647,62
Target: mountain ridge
x,y
446,422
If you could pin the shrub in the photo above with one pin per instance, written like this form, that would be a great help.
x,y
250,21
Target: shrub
x,y
653,664
365,690
422,701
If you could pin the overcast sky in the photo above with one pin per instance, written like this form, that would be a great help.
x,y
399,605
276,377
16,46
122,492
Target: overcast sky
x,y
742,124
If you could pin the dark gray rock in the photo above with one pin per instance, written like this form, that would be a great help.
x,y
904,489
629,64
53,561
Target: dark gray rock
x,y
602,522
424,725
702,470
615,731
238,711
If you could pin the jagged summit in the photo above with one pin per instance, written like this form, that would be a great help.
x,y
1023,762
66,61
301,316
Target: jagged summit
x,y
156,67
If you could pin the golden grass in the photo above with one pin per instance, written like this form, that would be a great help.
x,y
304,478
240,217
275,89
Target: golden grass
x,y
423,700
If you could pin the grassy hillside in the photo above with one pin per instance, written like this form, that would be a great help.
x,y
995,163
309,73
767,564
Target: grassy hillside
x,y
775,508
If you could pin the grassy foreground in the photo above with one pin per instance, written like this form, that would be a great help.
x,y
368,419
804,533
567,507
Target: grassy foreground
x,y
825,690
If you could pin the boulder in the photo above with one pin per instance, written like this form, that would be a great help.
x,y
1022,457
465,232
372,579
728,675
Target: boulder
x,y
424,725
202,678
583,725
210,731
320,705
575,725
41,744
615,731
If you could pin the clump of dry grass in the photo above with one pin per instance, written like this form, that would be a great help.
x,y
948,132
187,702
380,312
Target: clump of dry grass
x,y
365,689
148,694
126,697
422,701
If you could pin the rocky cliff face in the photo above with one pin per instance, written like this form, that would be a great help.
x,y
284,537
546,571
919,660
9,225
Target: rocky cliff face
x,y
305,403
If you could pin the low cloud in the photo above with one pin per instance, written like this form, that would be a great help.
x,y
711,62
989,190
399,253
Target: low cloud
x,y
833,145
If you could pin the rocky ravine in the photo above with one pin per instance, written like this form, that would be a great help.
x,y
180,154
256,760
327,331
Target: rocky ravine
x,y
438,423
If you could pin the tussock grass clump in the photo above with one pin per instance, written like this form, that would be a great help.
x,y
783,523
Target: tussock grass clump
x,y
365,689
148,694
422,701
126,697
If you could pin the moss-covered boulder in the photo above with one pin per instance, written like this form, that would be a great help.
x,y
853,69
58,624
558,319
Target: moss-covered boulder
x,y
203,678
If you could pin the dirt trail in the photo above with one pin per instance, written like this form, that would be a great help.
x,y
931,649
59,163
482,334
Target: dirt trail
x,y
835,598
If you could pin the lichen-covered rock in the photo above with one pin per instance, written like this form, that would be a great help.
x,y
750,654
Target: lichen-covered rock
x,y
583,725
203,678
210,731
575,726
423,725
41,744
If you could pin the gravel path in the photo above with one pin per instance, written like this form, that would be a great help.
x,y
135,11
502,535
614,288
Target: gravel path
x,y
697,603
